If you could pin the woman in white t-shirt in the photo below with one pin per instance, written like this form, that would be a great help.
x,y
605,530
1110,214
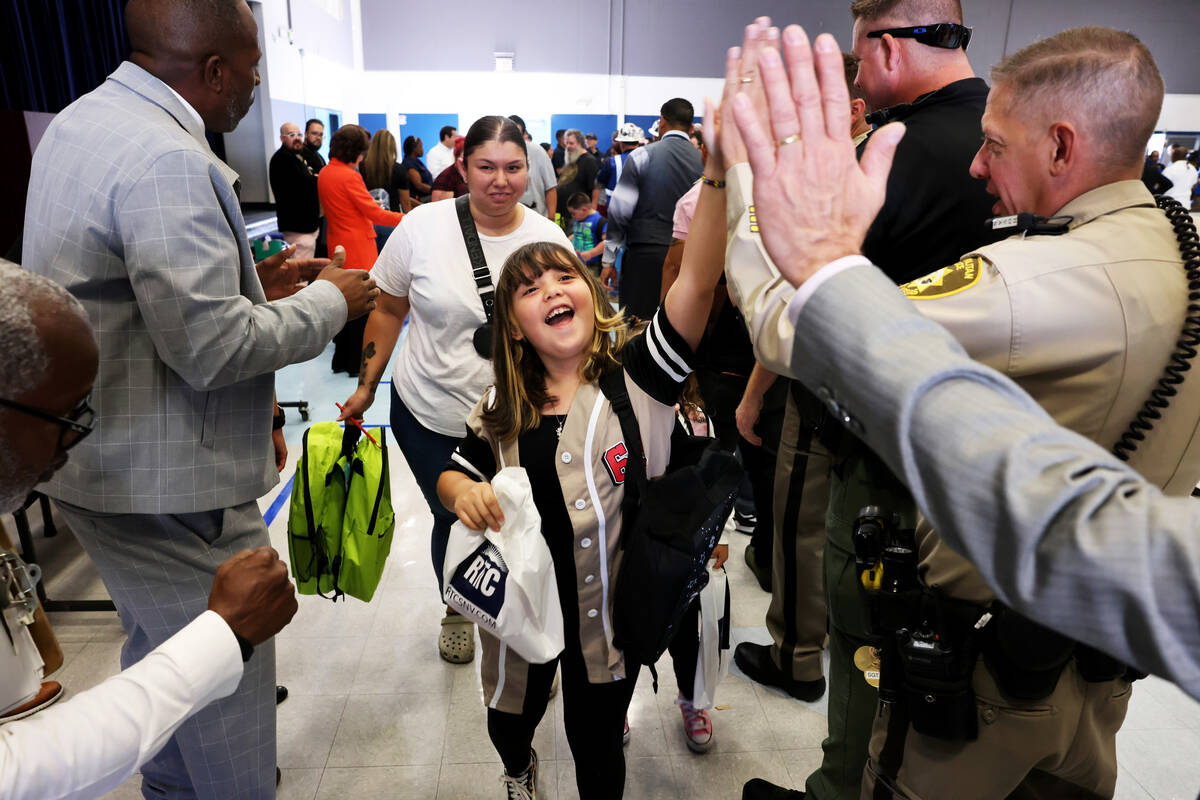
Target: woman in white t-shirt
x,y
424,273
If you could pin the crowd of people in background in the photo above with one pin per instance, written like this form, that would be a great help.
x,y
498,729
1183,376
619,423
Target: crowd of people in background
x,y
572,184
1177,179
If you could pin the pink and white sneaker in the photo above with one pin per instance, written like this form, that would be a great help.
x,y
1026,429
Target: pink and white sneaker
x,y
697,726
625,733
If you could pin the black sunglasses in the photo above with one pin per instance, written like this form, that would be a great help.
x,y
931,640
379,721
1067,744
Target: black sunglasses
x,y
75,427
947,35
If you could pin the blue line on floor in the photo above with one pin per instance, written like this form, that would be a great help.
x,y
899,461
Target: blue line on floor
x,y
280,499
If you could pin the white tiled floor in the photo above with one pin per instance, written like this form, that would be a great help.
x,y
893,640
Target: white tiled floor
x,y
375,713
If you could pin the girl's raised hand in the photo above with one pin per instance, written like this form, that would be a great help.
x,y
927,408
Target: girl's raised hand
x,y
477,507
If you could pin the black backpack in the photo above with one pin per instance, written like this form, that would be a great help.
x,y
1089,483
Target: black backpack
x,y
670,526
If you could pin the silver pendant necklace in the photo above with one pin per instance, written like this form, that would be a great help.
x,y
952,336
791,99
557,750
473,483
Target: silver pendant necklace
x,y
562,420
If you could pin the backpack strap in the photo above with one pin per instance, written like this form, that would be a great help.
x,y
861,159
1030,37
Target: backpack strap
x,y
350,438
304,492
612,384
383,479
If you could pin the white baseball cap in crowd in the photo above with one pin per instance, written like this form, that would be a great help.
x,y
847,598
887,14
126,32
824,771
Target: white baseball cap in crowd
x,y
630,132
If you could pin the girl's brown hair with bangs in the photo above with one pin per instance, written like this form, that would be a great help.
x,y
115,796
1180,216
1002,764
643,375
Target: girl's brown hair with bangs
x,y
520,373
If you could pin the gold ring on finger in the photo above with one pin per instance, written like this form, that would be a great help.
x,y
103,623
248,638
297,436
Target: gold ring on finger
x,y
795,137
745,79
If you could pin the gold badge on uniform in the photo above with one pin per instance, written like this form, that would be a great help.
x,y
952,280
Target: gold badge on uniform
x,y
867,660
946,281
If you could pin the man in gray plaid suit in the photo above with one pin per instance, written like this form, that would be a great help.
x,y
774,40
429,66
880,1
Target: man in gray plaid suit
x,y
130,210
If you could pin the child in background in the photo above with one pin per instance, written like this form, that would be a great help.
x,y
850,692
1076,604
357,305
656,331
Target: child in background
x,y
555,337
588,231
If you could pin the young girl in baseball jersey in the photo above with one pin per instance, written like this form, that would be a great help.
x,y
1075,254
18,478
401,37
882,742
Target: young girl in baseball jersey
x,y
555,335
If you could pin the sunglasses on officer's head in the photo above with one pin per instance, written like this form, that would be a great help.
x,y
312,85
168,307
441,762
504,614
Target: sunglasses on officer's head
x,y
946,35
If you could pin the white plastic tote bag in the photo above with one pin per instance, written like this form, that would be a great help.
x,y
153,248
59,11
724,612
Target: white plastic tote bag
x,y
504,580
712,662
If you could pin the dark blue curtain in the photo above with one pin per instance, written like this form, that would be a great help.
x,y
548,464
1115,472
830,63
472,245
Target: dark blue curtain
x,y
53,51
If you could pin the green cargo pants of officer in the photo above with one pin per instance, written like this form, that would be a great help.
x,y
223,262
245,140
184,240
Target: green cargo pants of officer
x,y
858,479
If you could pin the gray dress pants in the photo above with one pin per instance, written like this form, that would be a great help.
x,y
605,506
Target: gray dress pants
x,y
158,569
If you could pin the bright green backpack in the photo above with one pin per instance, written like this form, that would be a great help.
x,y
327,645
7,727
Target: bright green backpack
x,y
341,521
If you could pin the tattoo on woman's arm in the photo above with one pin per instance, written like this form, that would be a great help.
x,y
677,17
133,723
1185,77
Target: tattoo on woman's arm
x,y
367,354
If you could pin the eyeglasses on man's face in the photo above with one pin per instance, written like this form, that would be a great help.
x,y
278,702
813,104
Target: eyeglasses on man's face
x,y
75,426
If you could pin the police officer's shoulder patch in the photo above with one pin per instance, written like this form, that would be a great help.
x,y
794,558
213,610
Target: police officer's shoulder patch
x,y
946,281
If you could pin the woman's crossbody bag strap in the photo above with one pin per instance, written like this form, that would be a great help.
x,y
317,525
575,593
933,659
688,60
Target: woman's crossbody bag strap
x,y
482,338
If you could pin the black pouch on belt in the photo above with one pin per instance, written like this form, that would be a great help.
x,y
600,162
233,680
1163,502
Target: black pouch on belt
x,y
938,660
1025,658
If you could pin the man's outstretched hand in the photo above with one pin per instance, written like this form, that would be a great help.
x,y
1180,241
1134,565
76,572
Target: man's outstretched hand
x,y
282,276
814,199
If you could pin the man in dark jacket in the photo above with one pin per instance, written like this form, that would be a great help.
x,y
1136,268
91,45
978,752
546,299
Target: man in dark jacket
x,y
294,184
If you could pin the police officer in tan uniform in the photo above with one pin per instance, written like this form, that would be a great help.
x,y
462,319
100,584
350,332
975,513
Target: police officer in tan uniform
x,y
1083,309
1085,320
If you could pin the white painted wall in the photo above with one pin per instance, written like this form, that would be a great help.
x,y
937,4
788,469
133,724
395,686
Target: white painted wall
x,y
1181,112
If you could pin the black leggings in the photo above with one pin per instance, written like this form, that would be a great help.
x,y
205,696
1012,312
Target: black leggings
x,y
594,717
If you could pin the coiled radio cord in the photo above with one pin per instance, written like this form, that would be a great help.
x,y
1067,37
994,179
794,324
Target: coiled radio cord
x,y
1189,339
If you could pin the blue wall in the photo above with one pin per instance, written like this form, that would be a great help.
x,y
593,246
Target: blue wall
x,y
602,125
372,122
426,128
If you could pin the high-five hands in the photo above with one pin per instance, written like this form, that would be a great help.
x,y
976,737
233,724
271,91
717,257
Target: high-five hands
x,y
742,78
814,200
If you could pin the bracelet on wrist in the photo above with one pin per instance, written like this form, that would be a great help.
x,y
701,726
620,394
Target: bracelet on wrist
x,y
713,182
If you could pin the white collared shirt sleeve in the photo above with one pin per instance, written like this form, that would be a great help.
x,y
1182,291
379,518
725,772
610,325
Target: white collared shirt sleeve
x,y
86,746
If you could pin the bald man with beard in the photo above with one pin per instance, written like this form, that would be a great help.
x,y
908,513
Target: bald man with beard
x,y
130,210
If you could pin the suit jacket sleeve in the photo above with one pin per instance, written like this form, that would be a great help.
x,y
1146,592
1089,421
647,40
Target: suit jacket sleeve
x,y
195,292
1061,530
